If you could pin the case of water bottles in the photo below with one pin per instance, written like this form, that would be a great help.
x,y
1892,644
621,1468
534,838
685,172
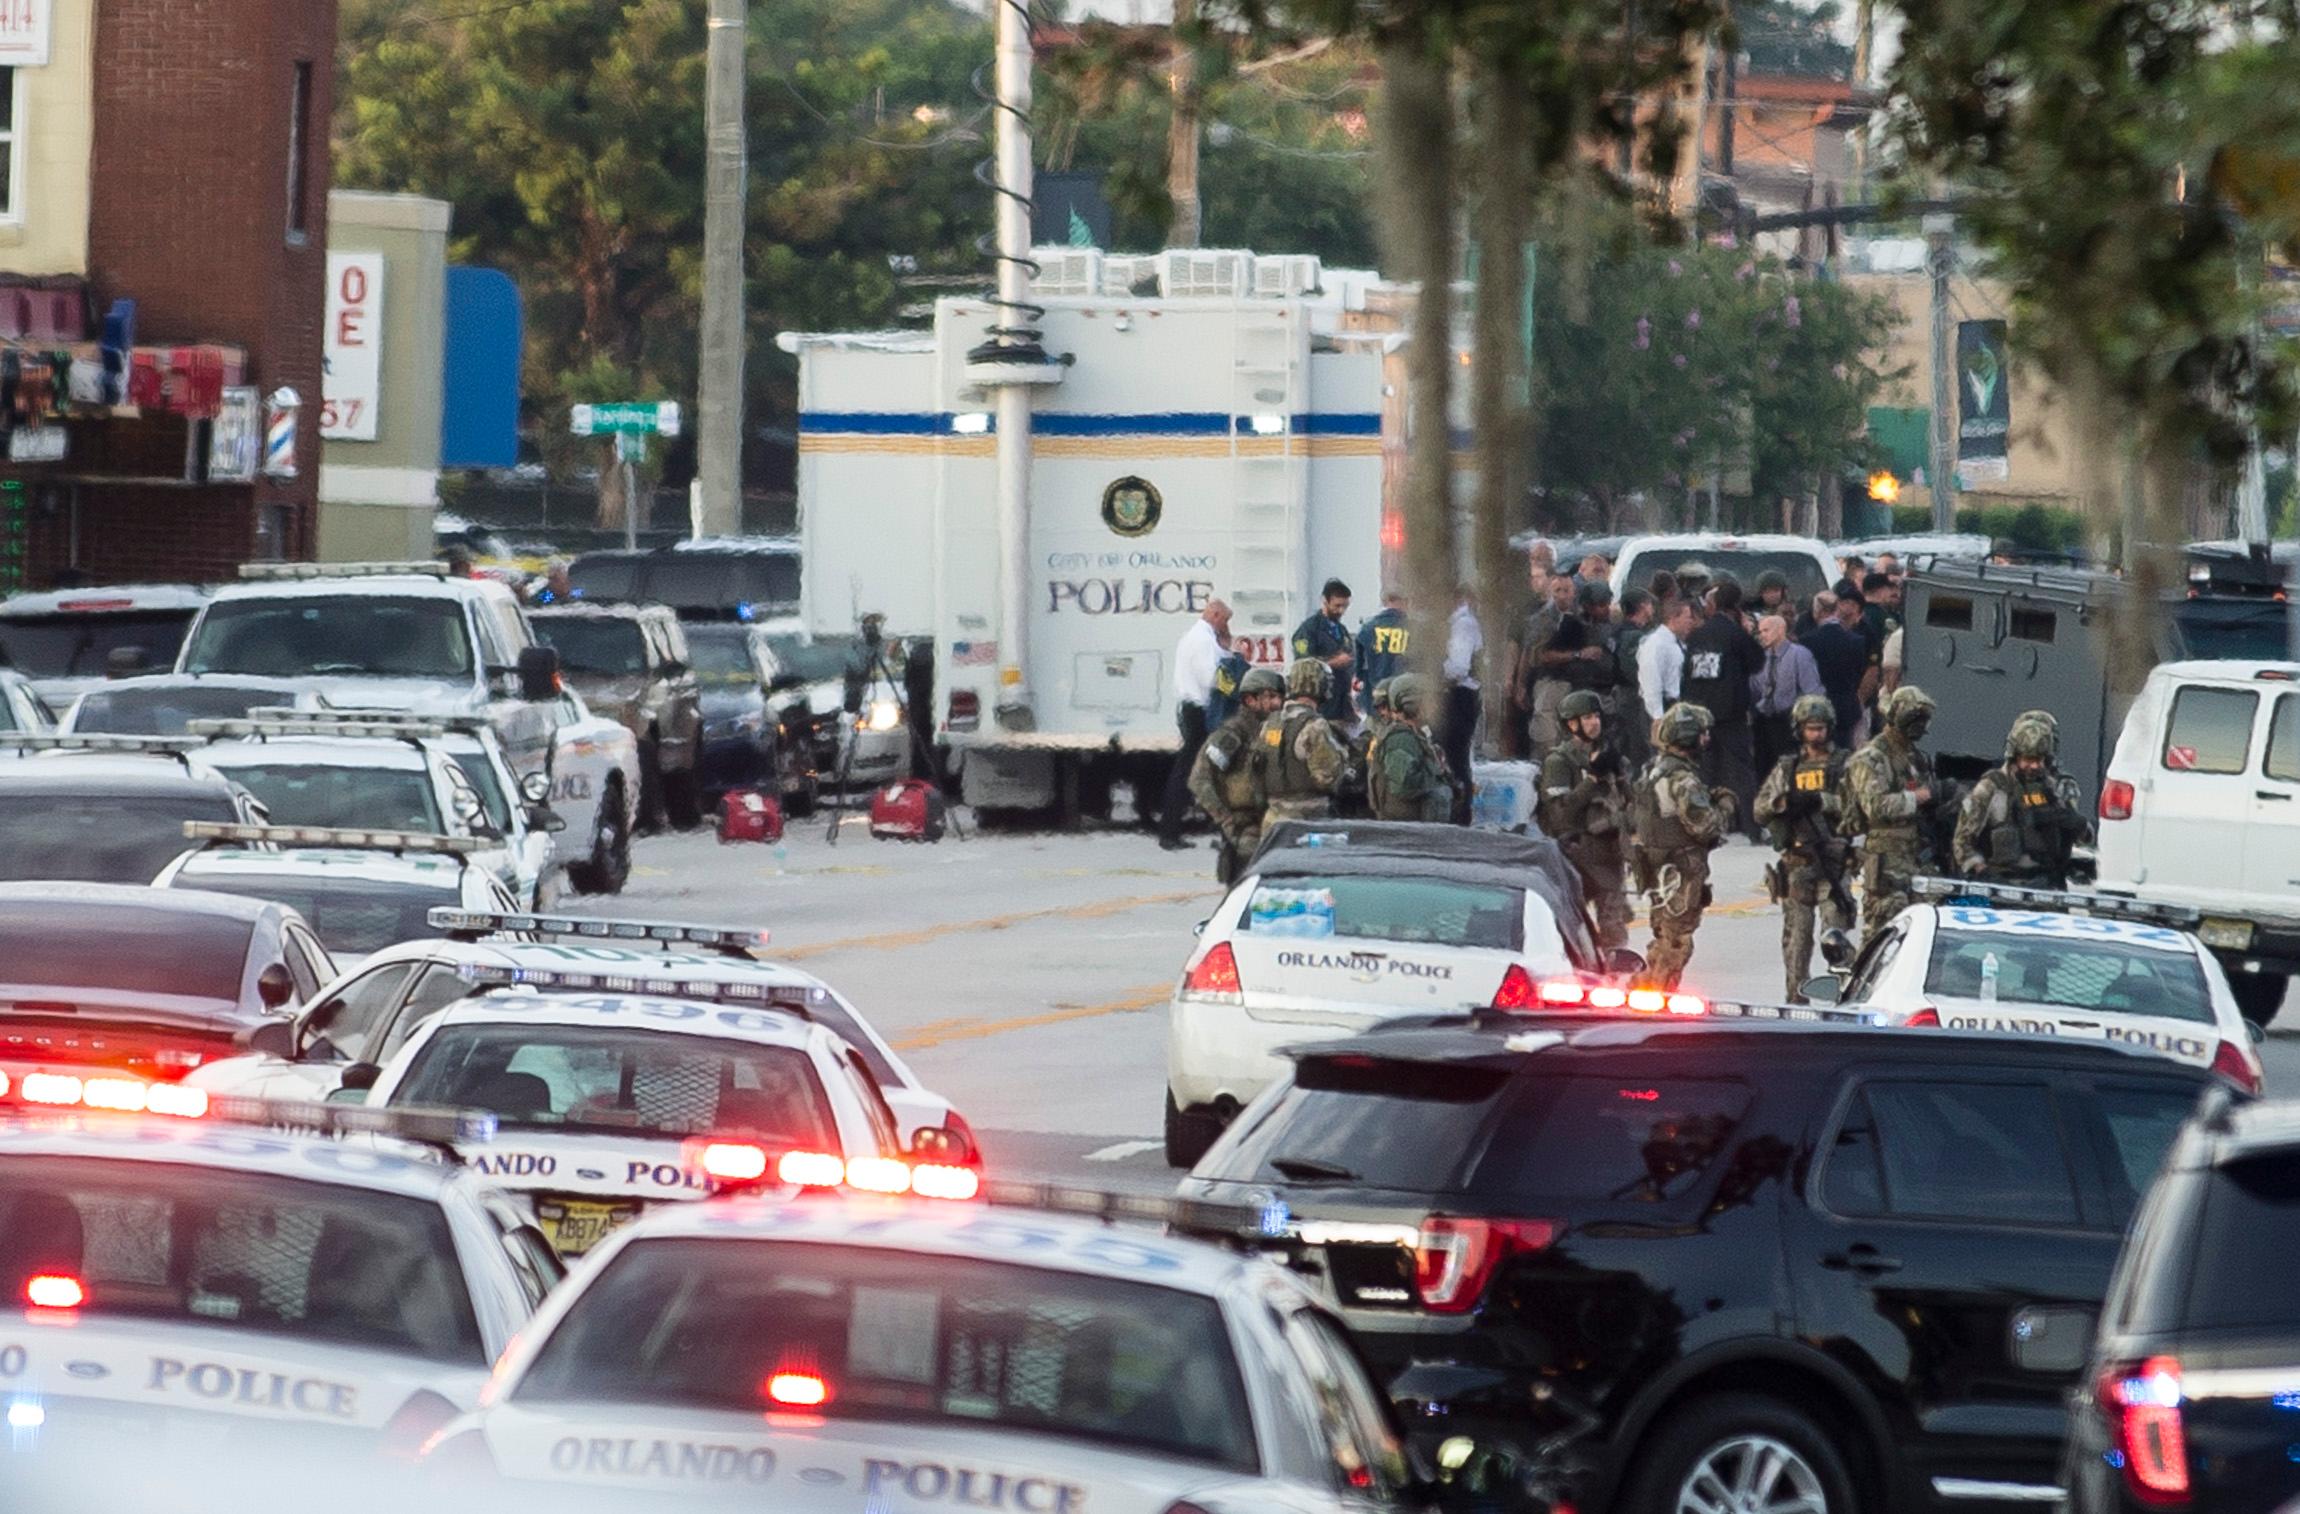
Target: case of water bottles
x,y
1503,794
1293,912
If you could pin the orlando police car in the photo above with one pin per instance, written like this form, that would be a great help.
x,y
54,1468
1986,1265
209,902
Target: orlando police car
x,y
364,1018
1975,956
862,1354
615,1092
361,891
1339,924
192,1304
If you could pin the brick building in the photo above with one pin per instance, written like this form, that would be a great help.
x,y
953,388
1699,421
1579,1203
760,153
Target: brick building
x,y
172,153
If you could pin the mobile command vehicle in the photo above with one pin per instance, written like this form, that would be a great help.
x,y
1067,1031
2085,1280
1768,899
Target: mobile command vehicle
x,y
1221,438
399,636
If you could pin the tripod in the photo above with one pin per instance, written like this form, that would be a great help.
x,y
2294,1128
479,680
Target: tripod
x,y
873,673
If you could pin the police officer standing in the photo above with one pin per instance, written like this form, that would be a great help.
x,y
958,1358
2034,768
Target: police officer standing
x,y
1227,781
2021,820
1301,758
1325,640
1799,803
1888,792
1680,820
1585,809
1405,772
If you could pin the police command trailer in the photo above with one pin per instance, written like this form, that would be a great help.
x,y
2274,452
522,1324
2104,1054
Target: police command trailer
x,y
1222,438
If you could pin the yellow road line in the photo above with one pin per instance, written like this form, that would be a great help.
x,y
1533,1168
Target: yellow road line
x,y
896,940
944,1031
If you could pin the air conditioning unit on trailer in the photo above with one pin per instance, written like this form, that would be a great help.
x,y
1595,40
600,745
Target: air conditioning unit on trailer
x,y
1277,278
1122,275
1067,270
1217,274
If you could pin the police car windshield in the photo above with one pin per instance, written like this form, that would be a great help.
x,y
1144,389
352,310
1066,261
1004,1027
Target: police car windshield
x,y
905,1339
722,654
607,645
1423,911
618,1081
2060,966
123,709
238,1251
342,636
101,837
376,798
816,661
80,644
353,916
64,944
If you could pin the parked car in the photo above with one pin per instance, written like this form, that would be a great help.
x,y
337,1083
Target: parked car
x,y
758,727
98,809
718,578
1804,562
69,641
165,704
631,663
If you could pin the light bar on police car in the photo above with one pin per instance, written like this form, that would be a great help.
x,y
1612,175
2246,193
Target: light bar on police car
x,y
69,742
332,836
1806,1014
326,730
288,572
794,997
430,1127
2054,901
1128,1208
470,923
363,715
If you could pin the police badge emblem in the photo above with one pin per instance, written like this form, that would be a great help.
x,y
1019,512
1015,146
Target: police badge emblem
x,y
1131,506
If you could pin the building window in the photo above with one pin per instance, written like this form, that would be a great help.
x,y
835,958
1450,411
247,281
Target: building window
x,y
299,154
11,139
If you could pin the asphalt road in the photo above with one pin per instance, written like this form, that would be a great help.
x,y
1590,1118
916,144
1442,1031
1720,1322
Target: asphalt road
x,y
1026,976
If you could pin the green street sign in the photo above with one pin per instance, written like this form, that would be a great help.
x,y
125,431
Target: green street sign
x,y
628,417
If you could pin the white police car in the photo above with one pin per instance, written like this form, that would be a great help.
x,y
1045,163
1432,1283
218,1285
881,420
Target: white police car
x,y
190,1307
617,1092
877,1355
1336,925
364,1018
360,891
594,772
1973,956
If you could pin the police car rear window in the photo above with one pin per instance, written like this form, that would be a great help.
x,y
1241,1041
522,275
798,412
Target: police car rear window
x,y
614,1081
80,644
1422,911
238,1251
2062,967
66,945
609,646
380,798
905,1339
100,837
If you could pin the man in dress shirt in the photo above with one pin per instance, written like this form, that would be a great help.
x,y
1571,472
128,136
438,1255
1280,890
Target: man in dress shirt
x,y
1787,674
1196,657
1661,660
1464,656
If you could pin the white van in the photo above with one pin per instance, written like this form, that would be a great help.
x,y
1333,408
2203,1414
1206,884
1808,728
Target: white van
x,y
2201,806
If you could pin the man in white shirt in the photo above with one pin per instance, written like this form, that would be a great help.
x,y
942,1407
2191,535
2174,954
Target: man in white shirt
x,y
1464,655
1661,660
1196,656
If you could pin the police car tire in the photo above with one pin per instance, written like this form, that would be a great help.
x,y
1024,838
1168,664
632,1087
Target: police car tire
x,y
1683,1437
1188,1136
2259,995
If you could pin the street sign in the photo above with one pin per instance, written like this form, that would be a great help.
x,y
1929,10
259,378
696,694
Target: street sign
x,y
628,416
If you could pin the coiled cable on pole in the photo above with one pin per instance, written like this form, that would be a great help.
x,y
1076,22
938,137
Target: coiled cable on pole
x,y
1015,336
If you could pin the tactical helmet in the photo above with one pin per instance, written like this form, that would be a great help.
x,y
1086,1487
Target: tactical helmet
x,y
1260,681
1772,578
1382,693
1912,710
1308,678
1683,726
1812,709
2034,734
1594,592
1409,694
1579,703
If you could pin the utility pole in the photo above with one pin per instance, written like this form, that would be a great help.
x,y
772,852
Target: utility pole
x,y
1183,137
719,424
1941,467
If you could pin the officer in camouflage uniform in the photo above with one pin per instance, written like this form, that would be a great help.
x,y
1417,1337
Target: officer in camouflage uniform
x,y
1680,820
2021,820
1226,780
1300,759
1888,792
1799,803
1405,772
1355,797
1585,809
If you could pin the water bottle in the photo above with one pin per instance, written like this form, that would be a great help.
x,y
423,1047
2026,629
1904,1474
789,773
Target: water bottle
x,y
1989,978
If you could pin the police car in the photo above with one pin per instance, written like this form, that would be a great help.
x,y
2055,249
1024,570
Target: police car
x,y
363,1019
862,1354
616,1092
361,891
594,772
65,640
194,1308
107,809
1339,924
165,704
1974,956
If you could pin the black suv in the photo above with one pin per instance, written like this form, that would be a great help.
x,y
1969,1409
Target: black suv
x,y
2193,1397
1729,1265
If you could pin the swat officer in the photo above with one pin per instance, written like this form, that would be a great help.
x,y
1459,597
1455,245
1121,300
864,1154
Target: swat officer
x,y
1889,788
1680,820
1301,759
2021,820
1799,803
1406,775
1226,780
1585,809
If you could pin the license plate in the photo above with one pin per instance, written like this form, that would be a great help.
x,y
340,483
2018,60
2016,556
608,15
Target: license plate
x,y
573,1226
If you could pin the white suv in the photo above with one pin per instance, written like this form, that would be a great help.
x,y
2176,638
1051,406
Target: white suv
x,y
2201,806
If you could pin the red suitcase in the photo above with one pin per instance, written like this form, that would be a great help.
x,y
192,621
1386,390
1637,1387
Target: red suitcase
x,y
748,815
909,809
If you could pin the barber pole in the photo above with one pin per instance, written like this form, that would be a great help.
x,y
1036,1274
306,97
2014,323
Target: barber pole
x,y
279,433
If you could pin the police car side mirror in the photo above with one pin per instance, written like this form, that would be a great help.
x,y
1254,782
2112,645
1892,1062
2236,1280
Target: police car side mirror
x,y
274,986
1200,928
1822,990
1837,948
545,819
535,788
359,1077
2259,1031
271,1038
